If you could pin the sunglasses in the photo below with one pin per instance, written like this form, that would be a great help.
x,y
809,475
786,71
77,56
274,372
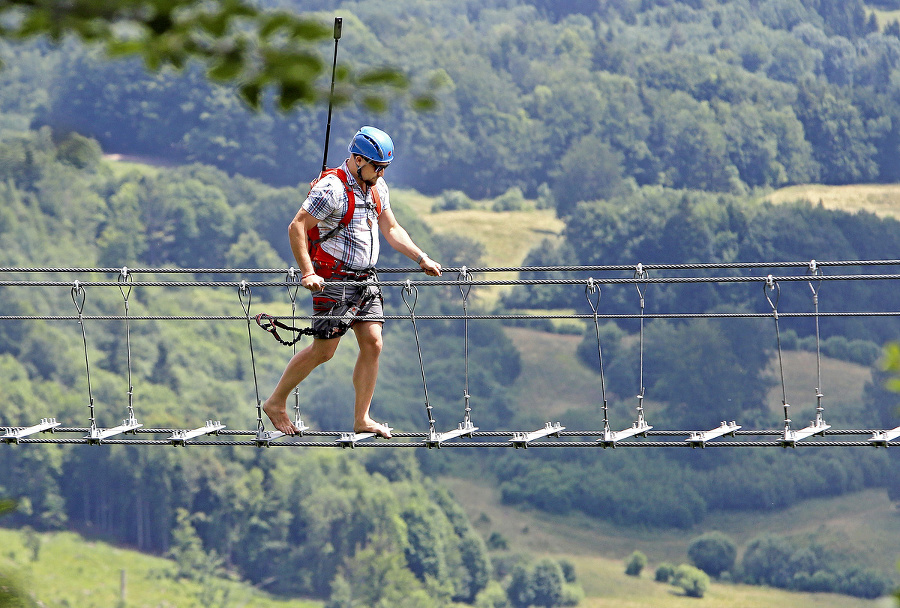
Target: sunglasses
x,y
378,167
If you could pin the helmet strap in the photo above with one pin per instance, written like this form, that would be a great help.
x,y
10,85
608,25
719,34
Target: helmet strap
x,y
359,172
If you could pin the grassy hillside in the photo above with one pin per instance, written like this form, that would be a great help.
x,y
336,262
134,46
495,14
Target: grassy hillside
x,y
554,381
880,199
507,236
884,17
598,549
842,383
70,571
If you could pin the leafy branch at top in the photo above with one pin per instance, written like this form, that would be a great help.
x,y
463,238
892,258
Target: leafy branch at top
x,y
239,44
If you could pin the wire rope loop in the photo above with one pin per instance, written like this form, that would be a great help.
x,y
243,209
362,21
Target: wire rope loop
x,y
293,278
640,273
464,288
772,287
816,271
593,289
413,292
78,297
244,291
125,279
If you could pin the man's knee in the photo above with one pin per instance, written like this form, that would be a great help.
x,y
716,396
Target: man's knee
x,y
323,350
370,340
372,344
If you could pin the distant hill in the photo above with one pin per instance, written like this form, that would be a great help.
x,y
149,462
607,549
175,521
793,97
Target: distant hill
x,y
881,199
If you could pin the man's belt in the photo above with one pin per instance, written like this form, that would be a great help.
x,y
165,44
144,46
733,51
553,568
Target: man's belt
x,y
350,275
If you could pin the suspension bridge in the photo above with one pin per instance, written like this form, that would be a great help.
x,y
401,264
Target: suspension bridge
x,y
639,434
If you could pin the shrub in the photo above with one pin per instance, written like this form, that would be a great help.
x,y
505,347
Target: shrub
x,y
79,151
491,596
520,590
635,564
863,582
547,583
511,200
452,200
497,542
766,561
664,572
572,595
568,570
714,553
694,581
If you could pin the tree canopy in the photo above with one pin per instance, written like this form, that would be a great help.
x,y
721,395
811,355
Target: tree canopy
x,y
238,42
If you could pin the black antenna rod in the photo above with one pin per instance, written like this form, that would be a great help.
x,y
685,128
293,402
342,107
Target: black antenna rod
x,y
337,36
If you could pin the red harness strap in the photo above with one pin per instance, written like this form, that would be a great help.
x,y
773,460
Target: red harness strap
x,y
325,264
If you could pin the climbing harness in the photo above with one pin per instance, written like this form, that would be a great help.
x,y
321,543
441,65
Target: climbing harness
x,y
272,325
344,312
327,267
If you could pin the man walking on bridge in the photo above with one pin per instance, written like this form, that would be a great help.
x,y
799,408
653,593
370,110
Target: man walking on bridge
x,y
334,241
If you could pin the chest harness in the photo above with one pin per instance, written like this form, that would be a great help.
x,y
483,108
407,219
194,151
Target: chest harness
x,y
325,264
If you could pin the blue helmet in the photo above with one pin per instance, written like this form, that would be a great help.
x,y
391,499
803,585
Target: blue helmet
x,y
374,144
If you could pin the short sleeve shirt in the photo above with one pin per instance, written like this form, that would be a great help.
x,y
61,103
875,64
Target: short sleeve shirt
x,y
358,245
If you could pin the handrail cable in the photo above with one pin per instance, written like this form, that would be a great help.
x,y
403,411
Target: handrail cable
x,y
640,278
483,283
486,269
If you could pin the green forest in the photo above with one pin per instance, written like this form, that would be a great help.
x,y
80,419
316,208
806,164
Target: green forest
x,y
650,127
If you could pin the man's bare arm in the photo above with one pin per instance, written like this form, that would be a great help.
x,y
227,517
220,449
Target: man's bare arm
x,y
399,239
299,226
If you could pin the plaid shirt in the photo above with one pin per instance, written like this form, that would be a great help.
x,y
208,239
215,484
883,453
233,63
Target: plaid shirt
x,y
357,245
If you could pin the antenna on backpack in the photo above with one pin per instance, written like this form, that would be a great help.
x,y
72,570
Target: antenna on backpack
x,y
337,36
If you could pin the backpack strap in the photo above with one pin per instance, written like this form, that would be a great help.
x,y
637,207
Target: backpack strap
x,y
377,198
315,239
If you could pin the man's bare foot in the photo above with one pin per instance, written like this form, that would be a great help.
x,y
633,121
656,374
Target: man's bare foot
x,y
382,430
279,417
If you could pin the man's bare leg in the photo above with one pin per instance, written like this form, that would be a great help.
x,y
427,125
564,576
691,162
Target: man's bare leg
x,y
365,375
298,368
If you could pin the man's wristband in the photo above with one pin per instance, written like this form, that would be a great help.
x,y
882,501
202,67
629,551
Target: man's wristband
x,y
422,256
307,275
